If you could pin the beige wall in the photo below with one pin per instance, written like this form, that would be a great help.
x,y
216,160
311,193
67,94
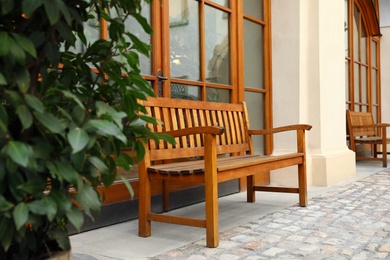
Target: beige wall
x,y
308,85
385,74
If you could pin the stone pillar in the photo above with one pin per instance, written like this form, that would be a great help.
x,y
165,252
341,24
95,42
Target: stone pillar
x,y
309,85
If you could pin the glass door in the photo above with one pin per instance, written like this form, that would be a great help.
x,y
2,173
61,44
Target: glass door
x,y
196,57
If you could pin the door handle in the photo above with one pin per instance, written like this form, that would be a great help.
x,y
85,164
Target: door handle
x,y
160,77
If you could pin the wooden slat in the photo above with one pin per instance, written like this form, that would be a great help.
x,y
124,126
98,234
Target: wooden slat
x,y
175,125
180,119
228,134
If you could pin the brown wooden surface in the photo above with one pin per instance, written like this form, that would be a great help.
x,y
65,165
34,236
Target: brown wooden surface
x,y
363,130
213,144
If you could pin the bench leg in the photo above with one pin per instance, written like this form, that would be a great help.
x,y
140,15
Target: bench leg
x,y
384,154
250,192
302,185
212,232
144,207
211,192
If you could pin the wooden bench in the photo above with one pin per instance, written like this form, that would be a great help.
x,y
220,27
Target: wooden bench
x,y
217,138
363,130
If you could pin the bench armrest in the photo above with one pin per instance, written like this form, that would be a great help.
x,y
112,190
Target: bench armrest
x,y
279,129
214,130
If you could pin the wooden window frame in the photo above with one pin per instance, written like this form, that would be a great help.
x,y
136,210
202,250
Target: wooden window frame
x,y
368,17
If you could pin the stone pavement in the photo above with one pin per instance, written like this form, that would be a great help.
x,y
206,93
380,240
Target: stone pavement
x,y
350,222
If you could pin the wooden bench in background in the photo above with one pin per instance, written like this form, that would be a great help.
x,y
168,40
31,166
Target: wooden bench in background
x,y
363,130
217,138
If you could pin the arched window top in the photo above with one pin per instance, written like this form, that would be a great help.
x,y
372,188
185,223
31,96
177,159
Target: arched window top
x,y
370,16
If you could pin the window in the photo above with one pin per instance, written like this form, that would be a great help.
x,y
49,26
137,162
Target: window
x,y
361,56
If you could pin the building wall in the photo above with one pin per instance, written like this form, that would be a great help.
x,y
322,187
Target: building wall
x,y
309,86
385,75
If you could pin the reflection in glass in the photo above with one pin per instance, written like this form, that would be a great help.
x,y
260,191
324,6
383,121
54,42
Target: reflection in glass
x,y
222,2
254,8
373,54
217,46
255,105
184,39
356,83
254,55
356,33
363,44
181,91
218,95
364,84
346,28
374,83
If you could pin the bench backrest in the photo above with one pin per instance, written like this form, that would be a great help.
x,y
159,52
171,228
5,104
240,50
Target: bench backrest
x,y
360,119
178,114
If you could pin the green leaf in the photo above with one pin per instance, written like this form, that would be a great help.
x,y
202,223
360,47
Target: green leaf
x,y
63,202
19,152
6,6
72,96
142,84
37,207
20,215
140,148
15,97
52,11
89,200
18,53
51,207
61,236
50,121
78,159
24,116
3,115
26,44
52,53
128,186
137,122
29,6
45,206
139,45
67,172
34,103
124,161
6,232
143,22
33,186
105,128
6,42
3,81
102,108
65,11
78,139
76,217
99,164
4,204
22,79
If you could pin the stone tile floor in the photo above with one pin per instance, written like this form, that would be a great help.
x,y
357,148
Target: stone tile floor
x,y
350,222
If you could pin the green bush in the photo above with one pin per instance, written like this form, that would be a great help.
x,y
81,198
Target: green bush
x,y
62,124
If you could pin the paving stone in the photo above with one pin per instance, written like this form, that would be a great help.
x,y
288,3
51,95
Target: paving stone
x,y
350,222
